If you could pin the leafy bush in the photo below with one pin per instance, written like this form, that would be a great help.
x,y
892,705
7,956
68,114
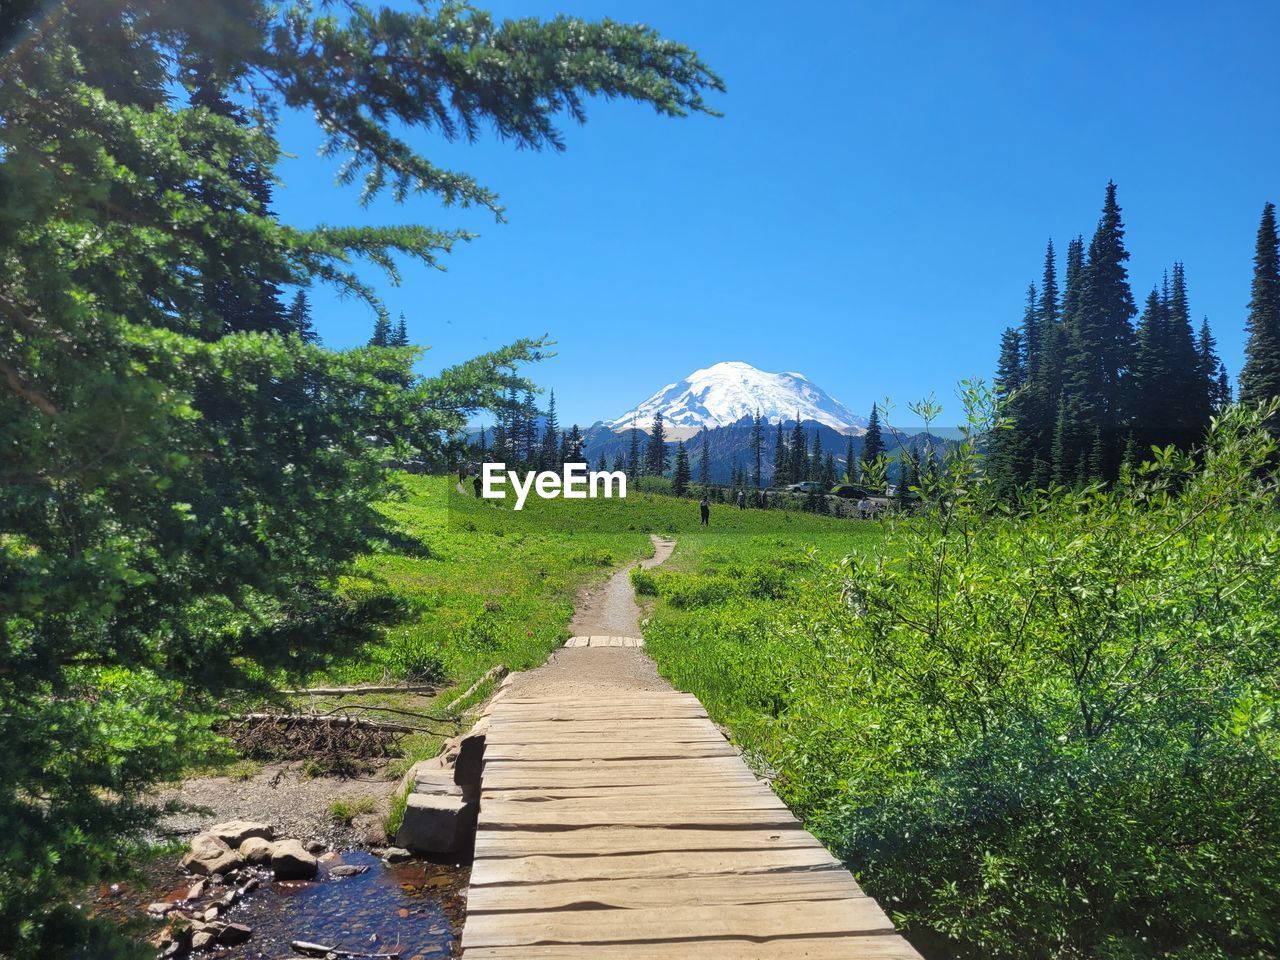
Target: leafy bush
x,y
416,659
1046,732
644,582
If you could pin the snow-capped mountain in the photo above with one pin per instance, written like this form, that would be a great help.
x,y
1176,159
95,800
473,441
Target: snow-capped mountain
x,y
724,393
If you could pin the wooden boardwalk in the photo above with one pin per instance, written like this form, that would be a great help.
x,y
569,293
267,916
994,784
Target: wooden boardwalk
x,y
622,824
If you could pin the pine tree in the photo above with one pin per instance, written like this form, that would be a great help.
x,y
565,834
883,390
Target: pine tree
x,y
298,317
656,454
529,445
1102,348
1208,365
550,448
482,446
873,440
635,468
1011,371
241,301
828,471
381,331
1073,293
601,463
906,465
1191,405
680,473
757,450
704,463
1009,460
400,337
573,445
799,452
815,460
618,465
500,441
850,464
780,466
1151,374
1260,376
1037,335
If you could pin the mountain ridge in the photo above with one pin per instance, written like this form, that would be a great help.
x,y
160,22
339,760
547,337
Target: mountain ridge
x,y
722,394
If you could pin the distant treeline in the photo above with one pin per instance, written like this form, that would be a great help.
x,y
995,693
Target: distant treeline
x,y
1088,390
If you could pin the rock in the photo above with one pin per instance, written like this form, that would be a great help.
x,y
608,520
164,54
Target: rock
x,y
290,861
435,782
233,934
316,846
211,914
395,854
249,886
470,763
348,870
255,850
160,908
372,830
436,823
196,891
210,856
235,832
175,938
203,938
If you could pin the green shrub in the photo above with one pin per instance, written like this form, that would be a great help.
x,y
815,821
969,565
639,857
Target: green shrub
x,y
415,659
1046,734
699,590
644,582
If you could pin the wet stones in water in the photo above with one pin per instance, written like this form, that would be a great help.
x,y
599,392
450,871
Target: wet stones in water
x,y
256,850
210,855
291,861
348,870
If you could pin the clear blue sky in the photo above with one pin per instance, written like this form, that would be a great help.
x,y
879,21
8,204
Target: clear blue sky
x,y
870,208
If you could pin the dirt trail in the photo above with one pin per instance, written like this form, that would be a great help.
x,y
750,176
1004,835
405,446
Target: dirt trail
x,y
609,610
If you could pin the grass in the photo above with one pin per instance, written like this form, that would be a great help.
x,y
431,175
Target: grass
x,y
725,613
488,585
345,811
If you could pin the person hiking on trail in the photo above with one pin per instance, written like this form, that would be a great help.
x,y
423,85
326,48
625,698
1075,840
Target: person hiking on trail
x,y
705,509
478,485
742,500
862,509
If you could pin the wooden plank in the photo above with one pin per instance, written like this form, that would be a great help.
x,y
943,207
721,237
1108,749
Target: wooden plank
x,y
675,921
612,751
623,838
871,947
550,816
661,797
630,894
635,866
625,824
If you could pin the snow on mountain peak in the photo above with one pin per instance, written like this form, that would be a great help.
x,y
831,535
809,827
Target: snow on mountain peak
x,y
724,393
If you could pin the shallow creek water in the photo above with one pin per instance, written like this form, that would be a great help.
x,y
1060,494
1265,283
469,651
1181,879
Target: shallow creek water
x,y
413,908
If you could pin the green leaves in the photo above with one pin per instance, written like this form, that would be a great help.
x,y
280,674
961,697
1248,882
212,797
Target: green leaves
x,y
1042,733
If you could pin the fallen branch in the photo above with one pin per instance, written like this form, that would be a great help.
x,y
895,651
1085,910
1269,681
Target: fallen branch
x,y
320,950
356,691
326,720
493,673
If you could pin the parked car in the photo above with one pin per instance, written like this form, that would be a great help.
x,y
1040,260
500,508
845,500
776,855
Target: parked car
x,y
848,491
805,486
